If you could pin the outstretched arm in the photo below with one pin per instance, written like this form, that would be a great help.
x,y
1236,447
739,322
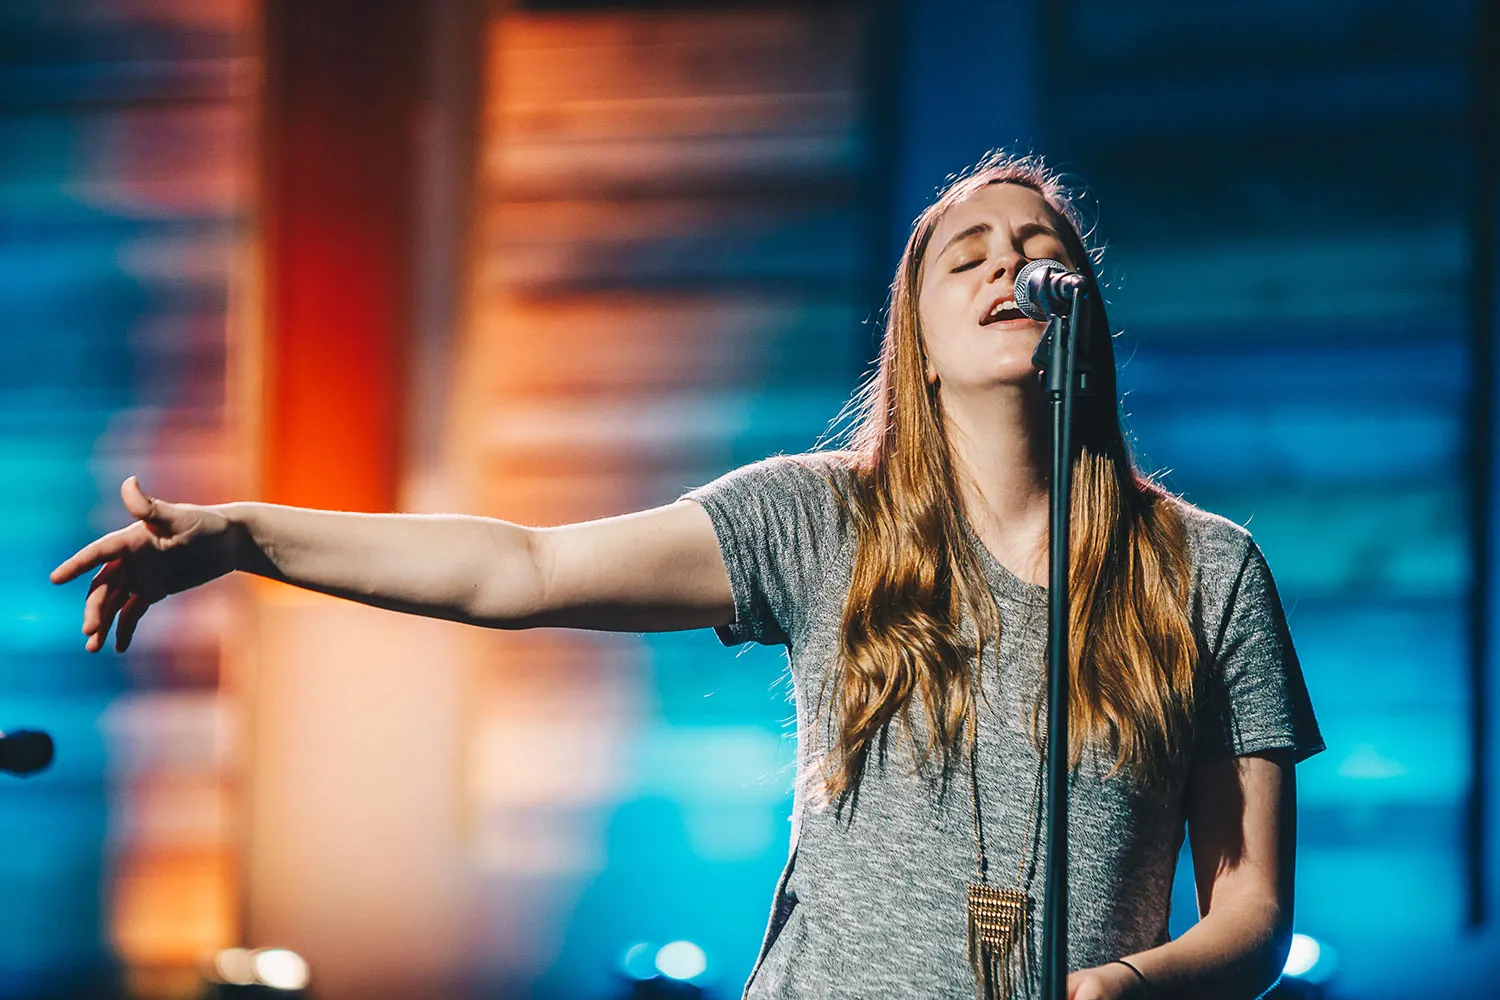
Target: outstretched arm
x,y
655,570
650,571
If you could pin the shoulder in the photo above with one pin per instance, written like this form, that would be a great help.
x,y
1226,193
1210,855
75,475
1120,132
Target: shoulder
x,y
831,468
816,478
1231,580
798,501
1224,562
1216,546
782,534
1255,697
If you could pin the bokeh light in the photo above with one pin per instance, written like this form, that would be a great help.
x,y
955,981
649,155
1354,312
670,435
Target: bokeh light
x,y
1310,959
280,969
639,961
681,960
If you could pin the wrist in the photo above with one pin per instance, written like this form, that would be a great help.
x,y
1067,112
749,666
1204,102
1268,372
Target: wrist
x,y
244,551
1136,982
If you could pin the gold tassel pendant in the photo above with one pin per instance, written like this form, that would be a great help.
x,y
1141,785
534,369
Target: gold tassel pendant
x,y
999,939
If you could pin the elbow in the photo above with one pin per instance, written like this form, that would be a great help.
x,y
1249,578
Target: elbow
x,y
1256,940
508,590
1274,962
1269,958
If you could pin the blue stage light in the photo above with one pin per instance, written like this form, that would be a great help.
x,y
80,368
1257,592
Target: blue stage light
x,y
1309,959
638,962
681,960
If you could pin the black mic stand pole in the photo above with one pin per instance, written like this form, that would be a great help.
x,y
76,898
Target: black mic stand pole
x,y
1064,380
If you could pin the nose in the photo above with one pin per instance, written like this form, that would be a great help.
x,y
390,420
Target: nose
x,y
1009,264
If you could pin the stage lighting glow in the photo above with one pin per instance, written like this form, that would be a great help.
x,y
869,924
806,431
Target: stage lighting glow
x,y
1302,957
280,969
681,960
234,967
638,961
1309,959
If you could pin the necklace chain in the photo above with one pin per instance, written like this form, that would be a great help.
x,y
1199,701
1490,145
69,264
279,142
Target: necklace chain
x,y
974,783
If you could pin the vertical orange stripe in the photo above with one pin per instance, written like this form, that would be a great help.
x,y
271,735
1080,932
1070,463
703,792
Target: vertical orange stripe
x,y
342,84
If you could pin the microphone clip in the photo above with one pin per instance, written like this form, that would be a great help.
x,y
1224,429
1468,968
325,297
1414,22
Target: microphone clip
x,y
1050,364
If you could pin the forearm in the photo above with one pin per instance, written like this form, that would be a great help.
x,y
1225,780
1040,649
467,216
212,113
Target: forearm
x,y
436,565
1233,953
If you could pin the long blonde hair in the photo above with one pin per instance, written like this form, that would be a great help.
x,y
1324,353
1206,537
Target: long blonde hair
x,y
1132,649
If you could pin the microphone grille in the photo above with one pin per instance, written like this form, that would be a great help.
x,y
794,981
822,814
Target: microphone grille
x,y
1028,285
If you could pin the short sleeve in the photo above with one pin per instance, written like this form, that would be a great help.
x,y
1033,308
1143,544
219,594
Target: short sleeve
x,y
1257,698
777,527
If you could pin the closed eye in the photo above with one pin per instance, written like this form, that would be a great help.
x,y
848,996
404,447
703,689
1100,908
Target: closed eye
x,y
965,267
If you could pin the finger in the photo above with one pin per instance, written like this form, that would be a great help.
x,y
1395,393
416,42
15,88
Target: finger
x,y
116,600
93,605
98,591
78,563
113,597
101,634
155,514
100,550
96,632
130,616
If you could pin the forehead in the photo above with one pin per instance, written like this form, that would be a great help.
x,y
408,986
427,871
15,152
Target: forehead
x,y
1003,205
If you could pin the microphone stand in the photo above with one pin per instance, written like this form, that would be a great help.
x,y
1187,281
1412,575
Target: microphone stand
x,y
1065,377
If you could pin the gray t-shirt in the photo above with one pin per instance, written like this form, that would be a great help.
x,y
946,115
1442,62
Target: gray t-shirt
x,y
872,902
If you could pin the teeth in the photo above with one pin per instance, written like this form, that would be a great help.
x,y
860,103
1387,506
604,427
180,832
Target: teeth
x,y
1009,305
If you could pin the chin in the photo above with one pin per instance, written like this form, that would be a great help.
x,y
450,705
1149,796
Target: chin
x,y
1022,374
1013,366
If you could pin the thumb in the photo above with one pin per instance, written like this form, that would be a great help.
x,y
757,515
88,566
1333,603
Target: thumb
x,y
144,508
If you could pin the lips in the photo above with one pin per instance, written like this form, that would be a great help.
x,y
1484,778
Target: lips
x,y
1003,308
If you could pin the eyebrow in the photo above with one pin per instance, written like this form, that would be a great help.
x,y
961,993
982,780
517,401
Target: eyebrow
x,y
1023,232
978,229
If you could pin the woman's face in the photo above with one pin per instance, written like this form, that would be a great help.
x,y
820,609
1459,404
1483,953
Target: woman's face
x,y
974,335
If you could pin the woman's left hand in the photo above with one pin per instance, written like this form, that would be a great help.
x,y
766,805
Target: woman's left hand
x,y
1104,982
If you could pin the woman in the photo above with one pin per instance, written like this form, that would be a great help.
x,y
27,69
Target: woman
x,y
906,577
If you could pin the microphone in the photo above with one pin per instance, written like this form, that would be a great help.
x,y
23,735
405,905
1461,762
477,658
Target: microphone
x,y
25,751
1044,288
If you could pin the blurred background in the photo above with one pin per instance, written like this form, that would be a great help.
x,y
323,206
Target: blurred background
x,y
554,260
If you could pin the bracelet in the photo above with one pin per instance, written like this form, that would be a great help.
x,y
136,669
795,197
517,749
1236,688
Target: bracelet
x,y
1138,974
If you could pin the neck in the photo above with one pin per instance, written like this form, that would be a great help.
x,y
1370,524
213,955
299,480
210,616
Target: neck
x,y
1000,439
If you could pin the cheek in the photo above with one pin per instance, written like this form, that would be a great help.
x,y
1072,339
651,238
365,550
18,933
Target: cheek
x,y
954,349
943,308
936,333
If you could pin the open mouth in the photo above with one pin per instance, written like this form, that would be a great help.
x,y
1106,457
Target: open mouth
x,y
1001,311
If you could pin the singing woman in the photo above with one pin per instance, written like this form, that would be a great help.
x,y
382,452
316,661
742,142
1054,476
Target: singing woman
x,y
906,575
